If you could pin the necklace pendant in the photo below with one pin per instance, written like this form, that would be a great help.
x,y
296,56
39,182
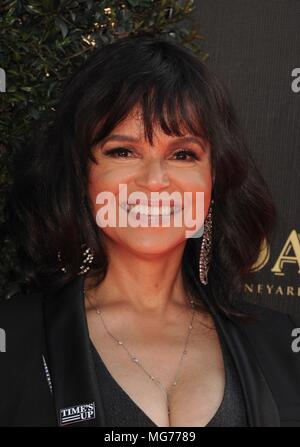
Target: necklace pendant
x,y
134,359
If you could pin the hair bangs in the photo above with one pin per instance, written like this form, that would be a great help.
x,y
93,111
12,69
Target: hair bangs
x,y
170,108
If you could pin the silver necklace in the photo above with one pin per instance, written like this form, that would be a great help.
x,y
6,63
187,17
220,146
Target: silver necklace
x,y
135,360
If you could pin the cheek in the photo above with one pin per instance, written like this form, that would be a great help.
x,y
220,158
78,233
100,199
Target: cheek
x,y
101,180
93,190
199,183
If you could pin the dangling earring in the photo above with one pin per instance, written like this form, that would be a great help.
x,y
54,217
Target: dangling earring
x,y
87,259
205,250
63,269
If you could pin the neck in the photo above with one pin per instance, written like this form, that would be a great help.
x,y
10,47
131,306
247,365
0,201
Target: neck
x,y
146,283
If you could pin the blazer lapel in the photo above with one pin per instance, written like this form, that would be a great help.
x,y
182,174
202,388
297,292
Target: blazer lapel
x,y
75,390
261,408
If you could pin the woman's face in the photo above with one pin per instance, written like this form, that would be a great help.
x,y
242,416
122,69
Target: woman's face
x,y
126,163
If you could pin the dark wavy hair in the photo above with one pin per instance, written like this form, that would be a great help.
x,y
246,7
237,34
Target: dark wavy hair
x,y
49,208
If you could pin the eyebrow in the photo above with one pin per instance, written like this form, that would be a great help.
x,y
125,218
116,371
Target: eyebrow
x,y
186,139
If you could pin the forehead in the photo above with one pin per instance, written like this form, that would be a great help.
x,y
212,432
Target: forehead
x,y
133,128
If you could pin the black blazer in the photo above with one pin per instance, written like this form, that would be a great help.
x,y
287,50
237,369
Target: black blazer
x,y
47,375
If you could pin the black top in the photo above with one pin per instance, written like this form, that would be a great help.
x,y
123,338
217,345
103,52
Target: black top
x,y
55,327
122,411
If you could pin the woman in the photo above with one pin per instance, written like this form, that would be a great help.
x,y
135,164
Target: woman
x,y
141,325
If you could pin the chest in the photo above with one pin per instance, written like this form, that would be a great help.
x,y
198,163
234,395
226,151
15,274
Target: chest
x,y
199,374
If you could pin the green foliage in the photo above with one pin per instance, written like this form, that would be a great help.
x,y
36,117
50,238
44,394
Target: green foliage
x,y
43,41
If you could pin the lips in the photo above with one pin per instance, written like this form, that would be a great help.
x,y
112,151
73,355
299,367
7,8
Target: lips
x,y
162,203
155,210
156,203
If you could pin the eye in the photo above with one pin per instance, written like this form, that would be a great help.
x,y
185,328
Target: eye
x,y
122,152
185,153
116,152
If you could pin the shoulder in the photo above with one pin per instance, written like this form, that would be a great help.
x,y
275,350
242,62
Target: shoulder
x,y
22,338
269,326
273,338
20,303
21,318
266,317
25,397
273,335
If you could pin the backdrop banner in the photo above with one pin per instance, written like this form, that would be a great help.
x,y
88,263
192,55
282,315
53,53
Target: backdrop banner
x,y
254,48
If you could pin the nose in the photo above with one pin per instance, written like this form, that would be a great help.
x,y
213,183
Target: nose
x,y
153,175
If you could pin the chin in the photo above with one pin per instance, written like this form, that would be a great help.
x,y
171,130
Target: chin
x,y
148,241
